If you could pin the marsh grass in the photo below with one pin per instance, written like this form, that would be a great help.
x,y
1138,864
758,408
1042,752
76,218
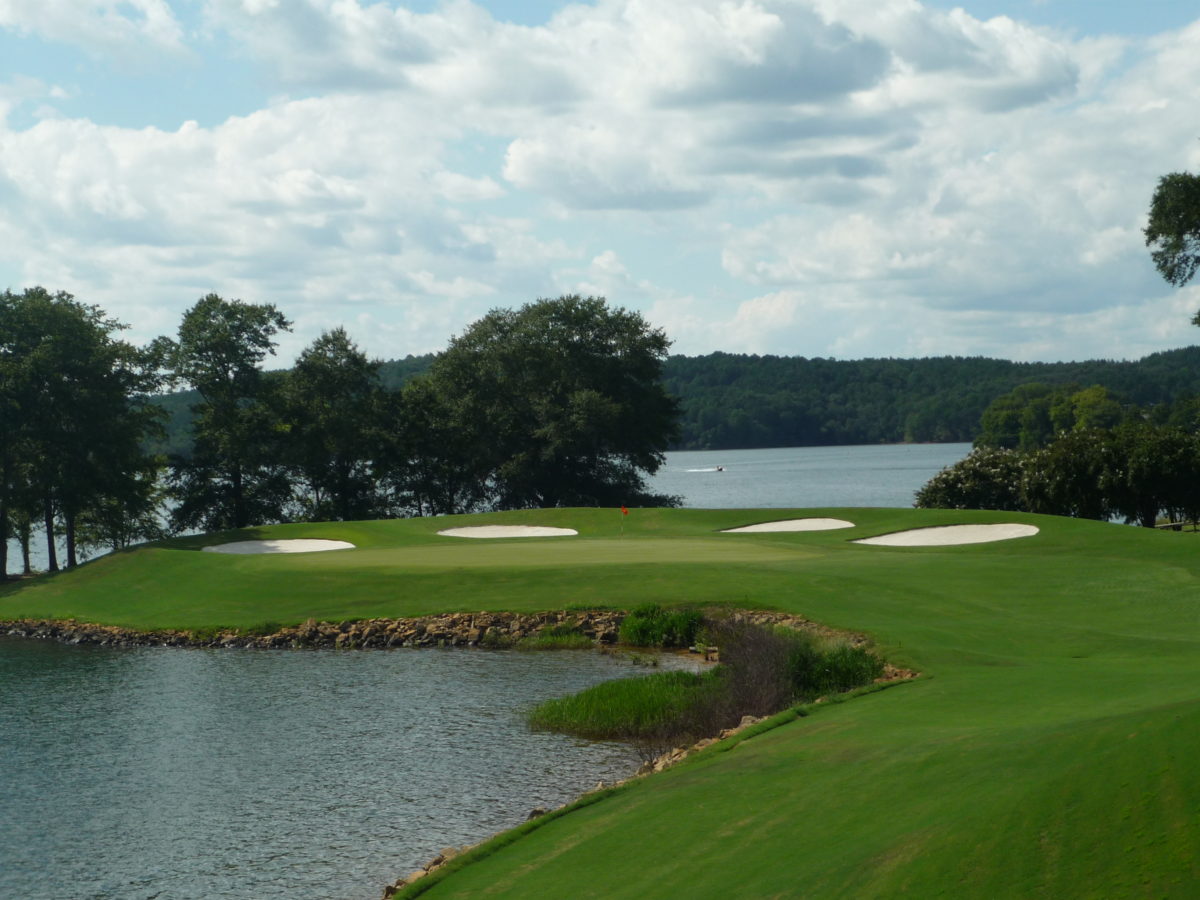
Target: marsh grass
x,y
556,642
628,709
557,637
763,671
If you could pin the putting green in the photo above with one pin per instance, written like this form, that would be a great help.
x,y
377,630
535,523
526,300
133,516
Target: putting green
x,y
1047,750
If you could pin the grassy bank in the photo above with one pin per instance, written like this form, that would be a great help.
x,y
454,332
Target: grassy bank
x,y
1047,750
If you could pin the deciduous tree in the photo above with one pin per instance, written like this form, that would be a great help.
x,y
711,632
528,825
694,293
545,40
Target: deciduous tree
x,y
559,403
234,477
334,409
1173,229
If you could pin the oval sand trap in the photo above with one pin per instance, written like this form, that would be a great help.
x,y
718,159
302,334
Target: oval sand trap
x,y
947,535
507,531
292,546
813,524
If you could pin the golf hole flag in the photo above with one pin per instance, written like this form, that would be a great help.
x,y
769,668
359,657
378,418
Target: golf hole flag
x,y
624,511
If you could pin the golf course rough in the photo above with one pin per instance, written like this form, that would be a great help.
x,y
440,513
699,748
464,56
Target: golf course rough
x,y
1048,750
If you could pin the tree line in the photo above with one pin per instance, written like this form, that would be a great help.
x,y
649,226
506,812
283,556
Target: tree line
x,y
1089,452
1072,451
557,403
730,401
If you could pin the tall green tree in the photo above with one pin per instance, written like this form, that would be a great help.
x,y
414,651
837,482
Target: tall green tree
x,y
1156,471
234,477
1173,229
1068,477
334,406
76,406
427,462
559,403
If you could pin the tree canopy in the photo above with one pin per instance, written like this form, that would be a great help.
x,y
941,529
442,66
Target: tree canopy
x,y
559,402
74,419
1173,229
234,477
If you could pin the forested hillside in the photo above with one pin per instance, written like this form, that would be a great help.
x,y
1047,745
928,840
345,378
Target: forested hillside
x,y
731,401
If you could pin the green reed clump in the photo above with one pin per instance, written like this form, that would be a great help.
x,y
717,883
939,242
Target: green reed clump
x,y
653,626
627,709
556,637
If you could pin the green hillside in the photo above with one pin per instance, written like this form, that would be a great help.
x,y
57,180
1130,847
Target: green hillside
x,y
1047,750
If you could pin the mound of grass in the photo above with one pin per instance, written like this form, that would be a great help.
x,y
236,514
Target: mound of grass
x,y
628,709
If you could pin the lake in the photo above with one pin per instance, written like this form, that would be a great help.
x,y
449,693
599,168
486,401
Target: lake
x,y
163,773
874,475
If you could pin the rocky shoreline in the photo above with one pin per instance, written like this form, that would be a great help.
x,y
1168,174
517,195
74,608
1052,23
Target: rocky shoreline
x,y
487,630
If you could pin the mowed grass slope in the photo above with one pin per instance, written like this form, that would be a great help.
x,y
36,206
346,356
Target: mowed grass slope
x,y
1049,748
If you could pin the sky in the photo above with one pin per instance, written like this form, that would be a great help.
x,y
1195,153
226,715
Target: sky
x,y
819,178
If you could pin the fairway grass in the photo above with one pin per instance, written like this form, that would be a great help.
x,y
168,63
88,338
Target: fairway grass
x,y
1047,750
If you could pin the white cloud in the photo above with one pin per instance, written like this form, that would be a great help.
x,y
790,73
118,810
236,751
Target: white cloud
x,y
817,177
117,28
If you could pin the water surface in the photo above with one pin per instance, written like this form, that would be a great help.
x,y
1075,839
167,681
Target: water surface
x,y
169,773
872,475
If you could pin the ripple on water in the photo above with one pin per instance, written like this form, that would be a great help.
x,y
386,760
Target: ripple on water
x,y
152,772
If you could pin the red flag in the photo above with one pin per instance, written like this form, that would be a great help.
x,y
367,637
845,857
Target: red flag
x,y
624,511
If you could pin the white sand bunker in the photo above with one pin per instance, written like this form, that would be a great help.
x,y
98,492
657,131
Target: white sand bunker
x,y
292,546
813,524
946,535
507,531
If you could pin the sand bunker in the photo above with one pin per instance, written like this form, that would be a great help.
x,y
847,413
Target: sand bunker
x,y
507,531
292,546
813,524
946,535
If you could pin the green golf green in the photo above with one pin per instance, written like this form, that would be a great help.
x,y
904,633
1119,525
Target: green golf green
x,y
1047,750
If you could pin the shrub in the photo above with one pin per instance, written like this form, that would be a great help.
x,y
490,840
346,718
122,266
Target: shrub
x,y
844,667
653,626
988,478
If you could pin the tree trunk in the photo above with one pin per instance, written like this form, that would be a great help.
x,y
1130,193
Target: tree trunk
x,y
239,500
70,530
3,541
51,551
26,556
